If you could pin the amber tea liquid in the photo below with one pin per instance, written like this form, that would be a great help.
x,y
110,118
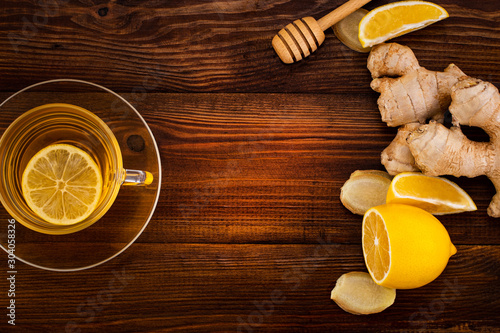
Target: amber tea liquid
x,y
50,124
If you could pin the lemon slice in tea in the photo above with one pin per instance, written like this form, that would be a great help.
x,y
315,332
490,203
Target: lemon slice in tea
x,y
62,184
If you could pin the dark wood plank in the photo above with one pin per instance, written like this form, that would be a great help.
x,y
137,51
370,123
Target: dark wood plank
x,y
253,288
217,46
231,176
268,168
276,177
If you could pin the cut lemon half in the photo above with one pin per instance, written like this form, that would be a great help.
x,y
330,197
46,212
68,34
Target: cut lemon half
x,y
398,18
404,247
62,184
436,195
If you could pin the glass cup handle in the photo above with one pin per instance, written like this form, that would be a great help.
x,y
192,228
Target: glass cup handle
x,y
137,177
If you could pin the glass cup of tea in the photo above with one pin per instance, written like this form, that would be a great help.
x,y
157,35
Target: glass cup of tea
x,y
106,128
60,123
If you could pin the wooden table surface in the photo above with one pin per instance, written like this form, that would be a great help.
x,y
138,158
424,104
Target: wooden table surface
x,y
249,234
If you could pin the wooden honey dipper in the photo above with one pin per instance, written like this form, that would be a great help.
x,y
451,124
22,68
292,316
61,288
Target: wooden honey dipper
x,y
302,37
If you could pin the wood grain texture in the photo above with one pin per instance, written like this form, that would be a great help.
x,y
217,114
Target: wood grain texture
x,y
274,177
250,288
216,46
249,211
249,234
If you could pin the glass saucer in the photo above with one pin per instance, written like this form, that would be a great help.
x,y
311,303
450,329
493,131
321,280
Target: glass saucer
x,y
132,209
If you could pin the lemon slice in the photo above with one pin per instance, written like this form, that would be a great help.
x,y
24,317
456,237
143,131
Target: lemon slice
x,y
436,195
398,18
62,184
404,246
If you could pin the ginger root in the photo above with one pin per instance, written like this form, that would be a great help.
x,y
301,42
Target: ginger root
x,y
441,151
409,95
357,293
418,95
397,157
365,189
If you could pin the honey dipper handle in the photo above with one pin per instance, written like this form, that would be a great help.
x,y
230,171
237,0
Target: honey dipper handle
x,y
340,12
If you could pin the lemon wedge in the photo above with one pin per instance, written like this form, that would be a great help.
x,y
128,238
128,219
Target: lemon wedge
x,y
62,184
396,19
437,195
404,247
